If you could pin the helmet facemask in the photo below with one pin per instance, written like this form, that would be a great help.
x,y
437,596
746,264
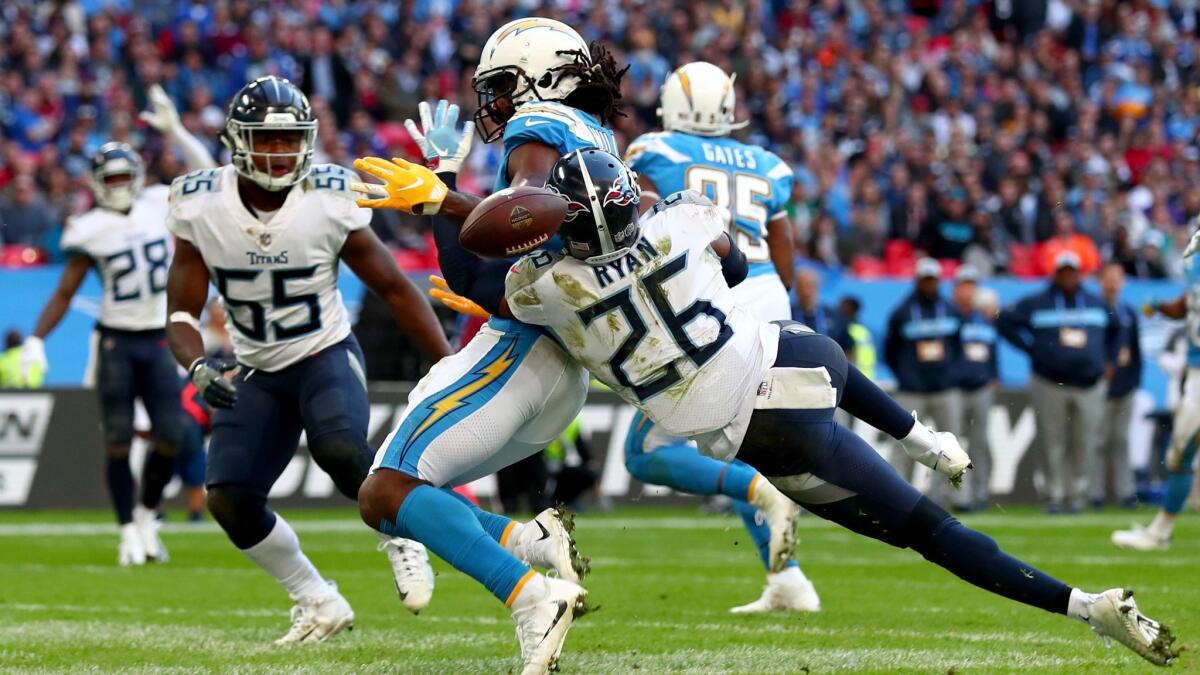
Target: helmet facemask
x,y
240,138
113,194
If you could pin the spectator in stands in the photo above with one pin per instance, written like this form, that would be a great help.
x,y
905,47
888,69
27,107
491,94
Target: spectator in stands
x,y
808,310
950,234
24,218
1113,442
1067,239
1071,344
978,378
923,349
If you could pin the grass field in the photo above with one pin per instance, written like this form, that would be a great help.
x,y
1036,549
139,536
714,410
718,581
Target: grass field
x,y
664,577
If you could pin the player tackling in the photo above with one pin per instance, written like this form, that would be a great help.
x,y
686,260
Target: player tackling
x,y
270,231
646,307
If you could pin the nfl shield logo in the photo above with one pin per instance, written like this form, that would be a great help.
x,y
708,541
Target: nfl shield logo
x,y
264,239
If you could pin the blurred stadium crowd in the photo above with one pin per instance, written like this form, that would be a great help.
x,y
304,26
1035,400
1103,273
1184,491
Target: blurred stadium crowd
x,y
994,132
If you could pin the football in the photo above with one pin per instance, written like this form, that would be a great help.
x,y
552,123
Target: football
x,y
513,222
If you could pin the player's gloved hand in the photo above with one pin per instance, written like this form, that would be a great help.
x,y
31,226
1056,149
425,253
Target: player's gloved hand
x,y
444,147
938,450
209,377
32,359
441,291
162,114
406,187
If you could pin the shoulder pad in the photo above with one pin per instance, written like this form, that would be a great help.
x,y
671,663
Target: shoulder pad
x,y
656,144
682,197
203,181
330,178
779,168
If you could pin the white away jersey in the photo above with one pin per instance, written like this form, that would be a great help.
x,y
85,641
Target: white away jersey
x,y
278,279
658,325
131,253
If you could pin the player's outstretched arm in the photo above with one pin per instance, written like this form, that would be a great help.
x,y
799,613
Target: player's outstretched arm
x,y
165,119
374,264
33,361
783,251
1173,309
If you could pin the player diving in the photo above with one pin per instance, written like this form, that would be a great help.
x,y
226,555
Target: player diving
x,y
645,304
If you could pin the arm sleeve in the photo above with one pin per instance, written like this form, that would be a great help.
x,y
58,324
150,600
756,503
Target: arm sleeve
x,y
892,342
466,273
733,265
1013,325
195,155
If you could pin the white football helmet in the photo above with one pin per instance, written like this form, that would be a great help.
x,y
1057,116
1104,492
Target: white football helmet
x,y
116,159
698,99
519,64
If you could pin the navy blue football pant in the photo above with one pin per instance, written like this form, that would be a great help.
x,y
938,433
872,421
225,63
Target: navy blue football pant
x,y
324,395
137,365
834,473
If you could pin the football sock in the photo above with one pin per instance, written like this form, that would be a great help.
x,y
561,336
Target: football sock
x,y
1164,522
156,474
1179,485
496,525
1080,604
681,467
120,487
280,555
760,532
866,401
974,557
448,528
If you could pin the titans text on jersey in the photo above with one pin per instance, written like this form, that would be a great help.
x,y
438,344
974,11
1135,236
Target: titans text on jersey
x,y
279,278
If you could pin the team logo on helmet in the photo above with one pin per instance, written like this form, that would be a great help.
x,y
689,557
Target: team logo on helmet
x,y
622,192
574,208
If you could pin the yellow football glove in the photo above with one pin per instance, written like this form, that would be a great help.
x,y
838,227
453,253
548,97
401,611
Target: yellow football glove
x,y
441,291
406,187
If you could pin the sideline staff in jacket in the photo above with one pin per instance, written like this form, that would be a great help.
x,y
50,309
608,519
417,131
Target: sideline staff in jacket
x,y
978,375
1071,344
922,348
1113,444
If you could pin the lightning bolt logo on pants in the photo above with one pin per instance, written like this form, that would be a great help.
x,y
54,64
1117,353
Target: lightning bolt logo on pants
x,y
484,374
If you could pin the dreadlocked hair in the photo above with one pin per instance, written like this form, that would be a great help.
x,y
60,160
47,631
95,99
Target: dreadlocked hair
x,y
599,90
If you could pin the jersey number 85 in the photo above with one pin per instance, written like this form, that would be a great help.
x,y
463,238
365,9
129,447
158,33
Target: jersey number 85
x,y
745,196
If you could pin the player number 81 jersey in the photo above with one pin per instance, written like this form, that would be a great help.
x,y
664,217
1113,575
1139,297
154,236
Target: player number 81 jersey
x,y
659,325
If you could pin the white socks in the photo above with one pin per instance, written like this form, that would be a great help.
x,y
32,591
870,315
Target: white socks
x,y
1080,604
921,437
1162,525
280,555
790,574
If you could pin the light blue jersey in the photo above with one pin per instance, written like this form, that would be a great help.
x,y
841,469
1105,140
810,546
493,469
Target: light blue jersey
x,y
752,183
1192,276
559,126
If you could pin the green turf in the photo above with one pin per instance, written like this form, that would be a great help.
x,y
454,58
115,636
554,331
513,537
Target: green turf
x,y
664,578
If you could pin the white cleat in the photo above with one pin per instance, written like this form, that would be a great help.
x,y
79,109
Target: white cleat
x,y
411,572
781,514
1113,615
146,522
546,542
318,618
130,551
787,591
544,612
1140,538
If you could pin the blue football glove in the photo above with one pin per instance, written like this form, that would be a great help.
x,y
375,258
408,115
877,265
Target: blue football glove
x,y
209,377
444,147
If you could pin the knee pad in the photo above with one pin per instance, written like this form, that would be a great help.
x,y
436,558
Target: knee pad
x,y
922,524
345,456
242,512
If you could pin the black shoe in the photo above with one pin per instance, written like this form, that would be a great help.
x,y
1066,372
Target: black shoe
x,y
1097,504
